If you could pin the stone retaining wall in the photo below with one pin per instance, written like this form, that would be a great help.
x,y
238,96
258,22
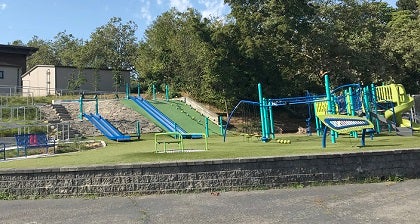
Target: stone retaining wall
x,y
215,175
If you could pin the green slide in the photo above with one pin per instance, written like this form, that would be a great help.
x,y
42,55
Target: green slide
x,y
405,104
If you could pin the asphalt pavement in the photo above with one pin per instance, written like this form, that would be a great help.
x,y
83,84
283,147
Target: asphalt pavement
x,y
387,202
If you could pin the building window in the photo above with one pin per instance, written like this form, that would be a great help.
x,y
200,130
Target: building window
x,y
1,74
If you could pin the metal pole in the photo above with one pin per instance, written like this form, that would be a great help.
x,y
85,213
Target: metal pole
x,y
270,112
221,124
127,90
260,98
167,93
96,105
329,102
81,107
207,126
138,129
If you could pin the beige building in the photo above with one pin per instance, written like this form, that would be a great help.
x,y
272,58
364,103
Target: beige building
x,y
43,80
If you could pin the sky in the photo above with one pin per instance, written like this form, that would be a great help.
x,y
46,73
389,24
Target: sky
x,y
23,19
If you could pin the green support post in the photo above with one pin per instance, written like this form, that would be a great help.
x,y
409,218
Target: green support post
x,y
96,105
270,110
166,93
375,107
154,92
206,121
366,103
266,119
352,112
127,90
138,90
221,124
261,102
138,130
330,102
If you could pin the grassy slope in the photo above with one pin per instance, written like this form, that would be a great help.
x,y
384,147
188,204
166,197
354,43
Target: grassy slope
x,y
235,147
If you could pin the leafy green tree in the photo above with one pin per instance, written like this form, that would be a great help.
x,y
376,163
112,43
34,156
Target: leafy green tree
x,y
67,49
410,5
177,51
112,46
350,35
45,54
403,46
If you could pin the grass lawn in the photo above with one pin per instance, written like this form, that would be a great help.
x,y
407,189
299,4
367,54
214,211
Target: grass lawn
x,y
236,146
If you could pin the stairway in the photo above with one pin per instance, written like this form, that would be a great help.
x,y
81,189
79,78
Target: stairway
x,y
62,112
61,121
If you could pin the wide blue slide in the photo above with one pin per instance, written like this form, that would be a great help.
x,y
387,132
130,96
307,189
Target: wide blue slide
x,y
106,128
165,122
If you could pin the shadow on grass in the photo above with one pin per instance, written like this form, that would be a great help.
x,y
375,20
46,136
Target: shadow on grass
x,y
379,145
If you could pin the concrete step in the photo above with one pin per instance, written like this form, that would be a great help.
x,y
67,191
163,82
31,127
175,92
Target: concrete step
x,y
404,131
62,112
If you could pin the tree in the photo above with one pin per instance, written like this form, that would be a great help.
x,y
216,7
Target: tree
x,y
112,46
403,46
349,35
67,49
45,54
410,5
177,51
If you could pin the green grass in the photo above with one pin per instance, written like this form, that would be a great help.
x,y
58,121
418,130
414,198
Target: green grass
x,y
236,146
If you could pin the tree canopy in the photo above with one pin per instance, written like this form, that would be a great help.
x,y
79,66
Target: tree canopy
x,y
283,44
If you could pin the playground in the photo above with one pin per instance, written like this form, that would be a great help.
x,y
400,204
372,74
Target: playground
x,y
349,118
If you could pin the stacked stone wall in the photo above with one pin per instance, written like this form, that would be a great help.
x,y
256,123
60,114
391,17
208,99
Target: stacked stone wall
x,y
215,175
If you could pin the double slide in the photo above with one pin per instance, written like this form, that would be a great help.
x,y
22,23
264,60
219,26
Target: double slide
x,y
163,121
106,128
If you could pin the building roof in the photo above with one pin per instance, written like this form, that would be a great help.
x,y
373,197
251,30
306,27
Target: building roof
x,y
12,49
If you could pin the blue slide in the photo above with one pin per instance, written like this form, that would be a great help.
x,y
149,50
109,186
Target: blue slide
x,y
166,123
106,128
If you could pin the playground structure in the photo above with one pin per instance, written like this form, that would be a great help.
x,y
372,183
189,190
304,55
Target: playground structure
x,y
349,109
